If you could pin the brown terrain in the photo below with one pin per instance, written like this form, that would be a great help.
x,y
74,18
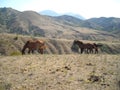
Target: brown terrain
x,y
52,71
60,72
59,68
12,44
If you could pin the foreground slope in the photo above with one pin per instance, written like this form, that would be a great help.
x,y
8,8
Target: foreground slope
x,y
12,44
60,72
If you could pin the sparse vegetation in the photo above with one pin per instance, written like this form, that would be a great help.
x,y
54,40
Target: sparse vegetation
x,y
12,45
59,68
60,72
15,53
5,86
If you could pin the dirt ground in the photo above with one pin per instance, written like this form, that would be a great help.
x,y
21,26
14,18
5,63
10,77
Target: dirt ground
x,y
60,72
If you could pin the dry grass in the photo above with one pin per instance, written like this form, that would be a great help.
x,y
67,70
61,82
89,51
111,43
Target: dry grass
x,y
60,72
11,44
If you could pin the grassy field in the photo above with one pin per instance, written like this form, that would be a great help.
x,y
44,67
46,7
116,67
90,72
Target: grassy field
x,y
60,72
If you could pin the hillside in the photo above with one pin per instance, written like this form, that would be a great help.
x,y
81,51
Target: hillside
x,y
12,44
108,24
60,72
34,24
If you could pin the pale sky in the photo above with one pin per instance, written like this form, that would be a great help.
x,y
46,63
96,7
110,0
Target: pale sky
x,y
86,8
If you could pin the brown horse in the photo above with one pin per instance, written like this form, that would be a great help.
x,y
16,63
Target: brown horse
x,y
32,45
87,47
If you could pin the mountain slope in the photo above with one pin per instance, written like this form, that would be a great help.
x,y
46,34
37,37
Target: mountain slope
x,y
12,44
34,24
7,16
108,24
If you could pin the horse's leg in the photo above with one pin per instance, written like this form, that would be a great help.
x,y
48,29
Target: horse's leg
x,y
41,51
96,50
91,50
88,50
23,50
29,51
82,50
32,51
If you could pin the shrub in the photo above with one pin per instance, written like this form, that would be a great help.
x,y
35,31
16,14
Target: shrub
x,y
5,86
16,38
15,53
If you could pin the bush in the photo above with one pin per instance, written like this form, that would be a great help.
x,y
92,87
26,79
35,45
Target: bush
x,y
15,54
5,86
16,38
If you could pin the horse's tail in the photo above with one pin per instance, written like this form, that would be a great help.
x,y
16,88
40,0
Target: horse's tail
x,y
98,45
24,47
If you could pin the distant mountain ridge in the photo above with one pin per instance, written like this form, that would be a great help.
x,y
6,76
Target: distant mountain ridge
x,y
53,13
32,23
110,24
49,13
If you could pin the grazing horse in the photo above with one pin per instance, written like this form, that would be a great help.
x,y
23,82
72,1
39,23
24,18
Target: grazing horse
x,y
32,45
87,47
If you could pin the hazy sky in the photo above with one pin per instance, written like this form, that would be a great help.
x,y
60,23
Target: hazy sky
x,y
86,8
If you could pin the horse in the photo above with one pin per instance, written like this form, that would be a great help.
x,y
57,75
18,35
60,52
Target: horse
x,y
96,46
87,47
32,45
84,47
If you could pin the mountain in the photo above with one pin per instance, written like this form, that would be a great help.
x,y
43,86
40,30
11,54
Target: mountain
x,y
53,13
110,24
69,20
75,15
49,13
34,24
7,16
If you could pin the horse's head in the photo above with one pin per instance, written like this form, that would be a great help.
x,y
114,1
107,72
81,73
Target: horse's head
x,y
25,46
77,42
75,45
23,51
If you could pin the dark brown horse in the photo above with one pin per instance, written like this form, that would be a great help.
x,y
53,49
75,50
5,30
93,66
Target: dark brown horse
x,y
87,47
32,45
96,46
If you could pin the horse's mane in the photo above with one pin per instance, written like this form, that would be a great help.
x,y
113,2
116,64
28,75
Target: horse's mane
x,y
78,41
